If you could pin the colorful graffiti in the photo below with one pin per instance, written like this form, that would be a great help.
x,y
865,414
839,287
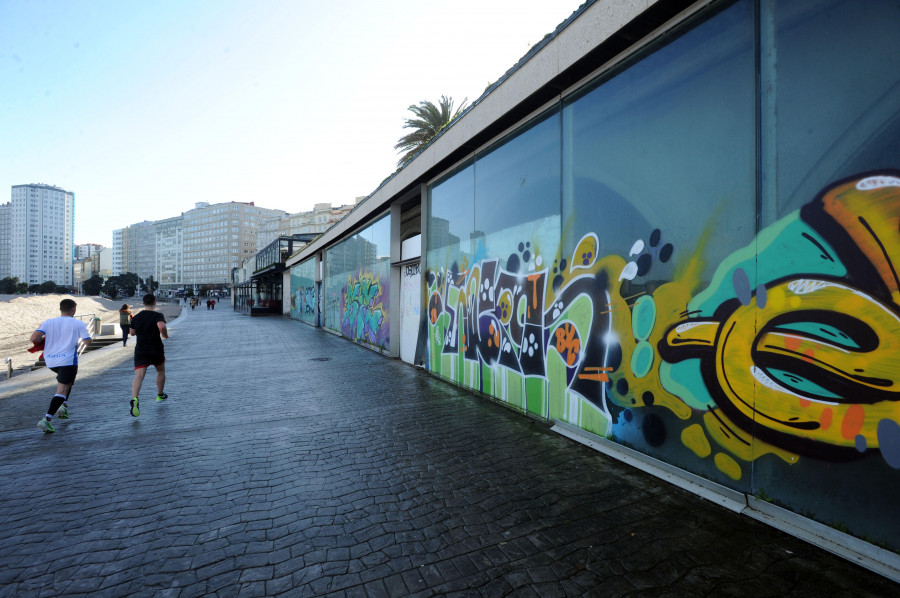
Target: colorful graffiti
x,y
303,292
363,311
305,300
791,349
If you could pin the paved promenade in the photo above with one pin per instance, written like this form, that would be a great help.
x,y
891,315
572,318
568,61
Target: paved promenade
x,y
289,462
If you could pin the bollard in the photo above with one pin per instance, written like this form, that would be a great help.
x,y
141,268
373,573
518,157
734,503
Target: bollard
x,y
9,368
98,326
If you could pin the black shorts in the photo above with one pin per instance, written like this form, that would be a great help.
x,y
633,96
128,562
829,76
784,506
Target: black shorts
x,y
142,360
65,374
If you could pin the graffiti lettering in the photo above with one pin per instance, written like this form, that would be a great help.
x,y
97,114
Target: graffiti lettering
x,y
363,313
794,359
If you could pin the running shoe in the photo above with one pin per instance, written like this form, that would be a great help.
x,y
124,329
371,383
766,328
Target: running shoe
x,y
45,426
135,411
62,412
162,397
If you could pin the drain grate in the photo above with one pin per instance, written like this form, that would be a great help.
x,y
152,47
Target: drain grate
x,y
320,359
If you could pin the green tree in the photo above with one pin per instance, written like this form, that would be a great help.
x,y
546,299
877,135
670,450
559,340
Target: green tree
x,y
428,121
128,283
112,287
149,285
8,285
93,285
22,287
48,286
34,289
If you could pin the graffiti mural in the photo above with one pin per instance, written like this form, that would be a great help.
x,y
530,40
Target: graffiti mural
x,y
364,310
790,350
303,292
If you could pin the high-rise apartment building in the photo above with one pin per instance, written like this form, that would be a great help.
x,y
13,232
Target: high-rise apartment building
x,y
170,253
87,250
42,231
4,240
218,237
117,252
134,249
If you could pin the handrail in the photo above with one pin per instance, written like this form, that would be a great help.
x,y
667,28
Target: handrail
x,y
81,345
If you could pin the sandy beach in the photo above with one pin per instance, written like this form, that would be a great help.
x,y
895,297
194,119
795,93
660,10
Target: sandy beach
x,y
20,315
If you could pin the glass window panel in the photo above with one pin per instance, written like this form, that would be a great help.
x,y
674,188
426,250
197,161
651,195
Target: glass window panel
x,y
668,145
357,286
451,221
517,190
303,291
837,89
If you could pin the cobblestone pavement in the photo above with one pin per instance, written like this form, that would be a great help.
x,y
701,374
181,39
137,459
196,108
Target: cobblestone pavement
x,y
290,462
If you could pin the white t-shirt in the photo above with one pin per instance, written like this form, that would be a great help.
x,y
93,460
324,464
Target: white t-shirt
x,y
61,340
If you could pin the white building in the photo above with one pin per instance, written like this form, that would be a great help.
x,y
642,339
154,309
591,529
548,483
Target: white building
x,y
322,217
134,249
87,250
42,230
218,237
170,253
105,258
117,252
4,240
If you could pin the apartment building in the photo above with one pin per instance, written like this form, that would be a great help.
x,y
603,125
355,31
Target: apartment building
x,y
322,217
134,249
170,253
117,252
42,230
218,237
4,240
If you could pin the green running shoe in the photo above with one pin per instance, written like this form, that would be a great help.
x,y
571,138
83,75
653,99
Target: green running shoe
x,y
45,426
161,397
135,410
62,412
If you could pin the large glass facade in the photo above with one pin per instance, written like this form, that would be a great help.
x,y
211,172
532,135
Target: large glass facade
x,y
695,257
357,286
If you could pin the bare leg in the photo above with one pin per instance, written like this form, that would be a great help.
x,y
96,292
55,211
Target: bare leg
x,y
160,378
139,374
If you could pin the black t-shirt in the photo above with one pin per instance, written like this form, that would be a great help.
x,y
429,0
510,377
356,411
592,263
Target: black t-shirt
x,y
144,324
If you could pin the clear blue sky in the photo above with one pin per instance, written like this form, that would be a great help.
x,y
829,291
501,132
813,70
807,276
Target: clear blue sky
x,y
143,108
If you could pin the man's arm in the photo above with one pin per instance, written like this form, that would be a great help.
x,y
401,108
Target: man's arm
x,y
163,331
85,335
36,336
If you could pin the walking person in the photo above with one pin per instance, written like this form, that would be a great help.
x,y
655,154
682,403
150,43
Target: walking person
x,y
60,337
125,315
149,326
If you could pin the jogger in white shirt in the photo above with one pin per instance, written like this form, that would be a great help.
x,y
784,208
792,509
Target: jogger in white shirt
x,y
61,336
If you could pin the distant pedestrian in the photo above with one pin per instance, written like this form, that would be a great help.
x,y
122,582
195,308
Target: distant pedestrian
x,y
125,315
212,303
149,326
60,337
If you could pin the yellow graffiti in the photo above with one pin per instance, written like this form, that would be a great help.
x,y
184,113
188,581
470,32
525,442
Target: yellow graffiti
x,y
869,210
694,438
739,443
728,466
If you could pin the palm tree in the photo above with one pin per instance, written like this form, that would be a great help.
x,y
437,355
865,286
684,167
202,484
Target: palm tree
x,y
429,120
